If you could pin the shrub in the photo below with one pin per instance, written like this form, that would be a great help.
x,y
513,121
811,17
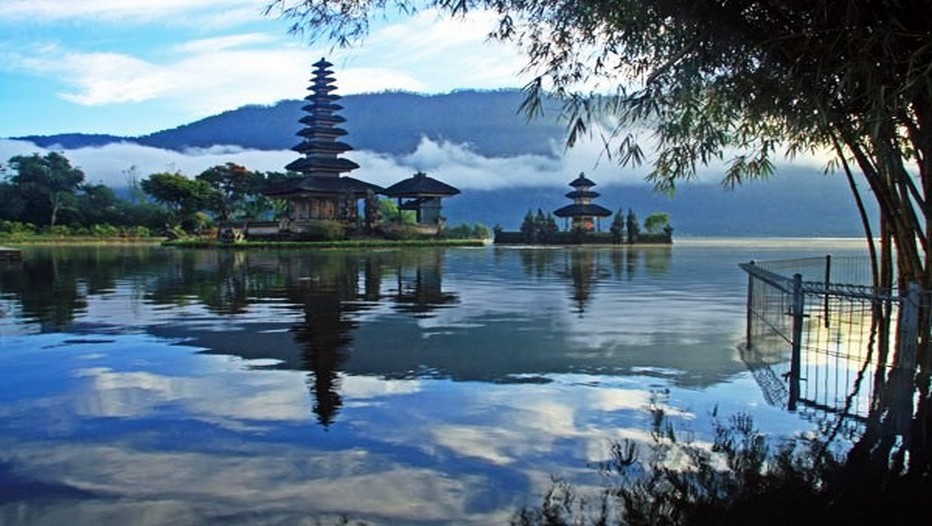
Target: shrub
x,y
740,479
324,231
16,227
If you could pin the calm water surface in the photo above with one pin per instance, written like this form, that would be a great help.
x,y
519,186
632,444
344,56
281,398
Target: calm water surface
x,y
144,385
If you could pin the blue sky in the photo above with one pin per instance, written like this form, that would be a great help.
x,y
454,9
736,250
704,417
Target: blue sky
x,y
136,67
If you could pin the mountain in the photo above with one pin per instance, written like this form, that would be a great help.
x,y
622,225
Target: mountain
x,y
391,123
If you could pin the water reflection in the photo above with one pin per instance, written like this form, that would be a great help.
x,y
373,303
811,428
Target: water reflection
x,y
393,313
584,267
439,386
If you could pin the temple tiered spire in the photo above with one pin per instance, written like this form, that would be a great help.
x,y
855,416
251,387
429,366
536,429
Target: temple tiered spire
x,y
320,146
583,210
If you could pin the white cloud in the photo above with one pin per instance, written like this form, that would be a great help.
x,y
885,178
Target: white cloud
x,y
206,76
109,78
444,53
137,11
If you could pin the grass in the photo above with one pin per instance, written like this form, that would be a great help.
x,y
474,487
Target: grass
x,y
49,239
343,244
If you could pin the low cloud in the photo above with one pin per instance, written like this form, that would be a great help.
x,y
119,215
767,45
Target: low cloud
x,y
455,164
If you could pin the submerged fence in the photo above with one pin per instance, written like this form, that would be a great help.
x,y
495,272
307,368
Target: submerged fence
x,y
818,334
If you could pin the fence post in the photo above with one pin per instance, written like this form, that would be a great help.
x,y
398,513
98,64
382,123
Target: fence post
x,y
828,279
750,318
796,311
908,328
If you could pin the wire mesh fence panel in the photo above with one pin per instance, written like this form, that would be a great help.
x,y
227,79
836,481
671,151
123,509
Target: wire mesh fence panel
x,y
837,348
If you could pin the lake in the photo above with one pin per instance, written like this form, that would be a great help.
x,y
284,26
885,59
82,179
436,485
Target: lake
x,y
147,385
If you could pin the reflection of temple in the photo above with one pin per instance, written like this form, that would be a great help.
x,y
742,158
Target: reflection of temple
x,y
584,267
328,298
334,290
584,271
420,288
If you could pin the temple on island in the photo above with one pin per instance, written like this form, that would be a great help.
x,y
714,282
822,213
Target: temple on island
x,y
581,224
583,210
324,193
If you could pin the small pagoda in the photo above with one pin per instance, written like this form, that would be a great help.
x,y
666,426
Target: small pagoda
x,y
323,193
583,213
423,196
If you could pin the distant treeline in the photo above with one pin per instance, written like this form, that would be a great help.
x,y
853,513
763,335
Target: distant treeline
x,y
47,195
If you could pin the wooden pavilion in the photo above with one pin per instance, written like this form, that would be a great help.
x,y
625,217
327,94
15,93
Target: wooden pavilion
x,y
424,195
583,212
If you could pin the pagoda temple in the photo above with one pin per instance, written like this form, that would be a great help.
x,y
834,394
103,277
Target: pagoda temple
x,y
583,212
323,193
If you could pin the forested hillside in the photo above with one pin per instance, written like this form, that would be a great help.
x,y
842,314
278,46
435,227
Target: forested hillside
x,y
391,123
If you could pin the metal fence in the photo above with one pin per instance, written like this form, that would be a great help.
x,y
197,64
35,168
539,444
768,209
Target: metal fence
x,y
817,335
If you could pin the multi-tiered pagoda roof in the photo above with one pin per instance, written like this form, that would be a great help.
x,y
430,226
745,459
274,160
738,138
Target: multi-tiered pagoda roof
x,y
322,162
583,210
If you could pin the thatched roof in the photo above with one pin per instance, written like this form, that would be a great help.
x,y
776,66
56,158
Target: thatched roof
x,y
578,194
321,164
321,184
576,210
581,181
420,185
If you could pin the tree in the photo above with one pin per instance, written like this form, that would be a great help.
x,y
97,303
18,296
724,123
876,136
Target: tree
x,y
97,204
656,222
632,227
528,228
618,227
738,81
13,203
47,184
184,197
236,187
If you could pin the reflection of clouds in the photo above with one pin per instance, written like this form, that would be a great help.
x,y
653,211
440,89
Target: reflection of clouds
x,y
505,425
435,450
226,400
359,387
256,481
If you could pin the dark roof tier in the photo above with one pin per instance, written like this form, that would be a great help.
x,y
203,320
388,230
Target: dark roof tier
x,y
581,182
324,119
577,210
321,164
325,106
322,93
582,194
420,185
321,131
324,185
318,146
321,90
